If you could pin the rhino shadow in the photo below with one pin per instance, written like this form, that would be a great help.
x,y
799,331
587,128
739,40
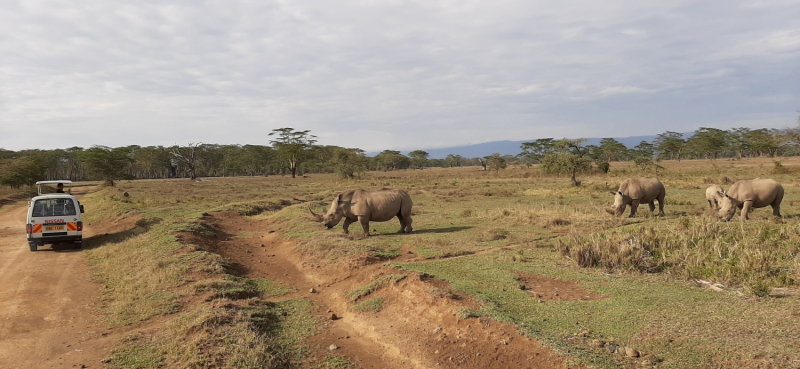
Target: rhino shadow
x,y
442,230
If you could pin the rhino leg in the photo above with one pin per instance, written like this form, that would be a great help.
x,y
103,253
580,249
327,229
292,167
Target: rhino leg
x,y
652,205
660,199
402,223
634,206
346,225
408,224
364,224
746,209
776,204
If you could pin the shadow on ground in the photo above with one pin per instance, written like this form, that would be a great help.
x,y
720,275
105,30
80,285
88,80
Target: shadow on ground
x,y
141,226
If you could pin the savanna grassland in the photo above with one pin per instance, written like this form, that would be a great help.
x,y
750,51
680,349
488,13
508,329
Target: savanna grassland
x,y
684,290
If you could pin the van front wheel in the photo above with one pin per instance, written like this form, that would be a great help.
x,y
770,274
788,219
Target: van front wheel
x,y
32,246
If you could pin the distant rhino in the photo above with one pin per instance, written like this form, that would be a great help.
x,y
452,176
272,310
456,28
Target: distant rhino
x,y
368,206
714,195
751,194
635,191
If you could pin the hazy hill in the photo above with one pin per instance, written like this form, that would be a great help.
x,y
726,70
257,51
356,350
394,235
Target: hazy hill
x,y
512,147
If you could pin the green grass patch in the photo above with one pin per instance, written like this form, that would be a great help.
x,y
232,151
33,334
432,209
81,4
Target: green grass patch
x,y
371,305
355,294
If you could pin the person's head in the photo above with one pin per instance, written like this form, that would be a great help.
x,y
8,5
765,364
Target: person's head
x,y
60,186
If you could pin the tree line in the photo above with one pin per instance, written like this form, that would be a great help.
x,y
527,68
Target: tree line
x,y
293,152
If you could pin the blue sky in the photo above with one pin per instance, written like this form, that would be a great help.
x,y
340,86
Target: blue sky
x,y
390,74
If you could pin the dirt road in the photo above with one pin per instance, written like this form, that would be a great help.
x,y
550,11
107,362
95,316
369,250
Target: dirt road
x,y
48,304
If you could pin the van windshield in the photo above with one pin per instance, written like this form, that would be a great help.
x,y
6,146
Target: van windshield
x,y
53,208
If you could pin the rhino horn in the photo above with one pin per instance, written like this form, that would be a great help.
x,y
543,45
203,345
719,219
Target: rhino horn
x,y
315,215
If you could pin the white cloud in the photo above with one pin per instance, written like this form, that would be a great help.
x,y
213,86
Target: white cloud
x,y
388,74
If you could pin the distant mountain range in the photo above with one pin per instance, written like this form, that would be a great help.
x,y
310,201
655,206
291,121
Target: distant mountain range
x,y
512,147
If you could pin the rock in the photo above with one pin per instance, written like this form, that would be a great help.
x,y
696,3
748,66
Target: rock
x,y
437,330
647,362
333,347
262,245
333,316
126,194
612,348
631,352
522,287
598,343
271,232
312,290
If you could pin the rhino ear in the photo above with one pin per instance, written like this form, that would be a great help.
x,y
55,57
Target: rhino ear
x,y
612,192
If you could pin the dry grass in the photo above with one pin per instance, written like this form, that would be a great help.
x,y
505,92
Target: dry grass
x,y
513,220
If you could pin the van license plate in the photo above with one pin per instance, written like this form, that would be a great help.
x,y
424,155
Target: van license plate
x,y
53,228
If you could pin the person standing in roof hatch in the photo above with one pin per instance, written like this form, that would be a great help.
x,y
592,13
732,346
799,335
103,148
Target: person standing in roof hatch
x,y
60,188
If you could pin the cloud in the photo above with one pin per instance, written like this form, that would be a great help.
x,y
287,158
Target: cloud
x,y
389,74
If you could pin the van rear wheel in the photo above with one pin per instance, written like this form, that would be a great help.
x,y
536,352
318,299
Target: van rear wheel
x,y
77,245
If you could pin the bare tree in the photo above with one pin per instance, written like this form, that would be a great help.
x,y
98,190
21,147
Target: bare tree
x,y
187,156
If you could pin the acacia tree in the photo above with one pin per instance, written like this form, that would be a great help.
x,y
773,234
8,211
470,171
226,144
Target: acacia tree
x,y
292,146
537,149
496,162
108,164
568,157
669,144
348,162
419,158
453,160
612,148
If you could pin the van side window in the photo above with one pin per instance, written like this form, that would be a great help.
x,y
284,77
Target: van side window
x,y
53,208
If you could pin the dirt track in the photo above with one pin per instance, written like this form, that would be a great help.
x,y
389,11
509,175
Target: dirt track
x,y
47,304
415,330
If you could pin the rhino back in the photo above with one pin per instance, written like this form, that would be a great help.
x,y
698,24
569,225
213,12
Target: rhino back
x,y
381,205
761,192
643,189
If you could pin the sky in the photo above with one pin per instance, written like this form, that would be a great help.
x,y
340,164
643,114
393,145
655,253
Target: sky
x,y
389,74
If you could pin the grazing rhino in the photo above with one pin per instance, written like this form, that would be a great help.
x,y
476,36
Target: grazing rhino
x,y
368,206
635,191
714,195
751,194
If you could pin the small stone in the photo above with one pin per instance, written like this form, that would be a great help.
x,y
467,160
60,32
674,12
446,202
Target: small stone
x,y
271,232
647,362
262,245
437,330
333,347
612,348
631,352
598,343
333,316
312,290
522,287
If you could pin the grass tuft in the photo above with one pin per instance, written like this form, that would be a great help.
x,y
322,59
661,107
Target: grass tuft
x,y
355,294
371,305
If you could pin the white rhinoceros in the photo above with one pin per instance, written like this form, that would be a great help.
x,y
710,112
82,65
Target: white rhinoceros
x,y
635,191
368,206
751,194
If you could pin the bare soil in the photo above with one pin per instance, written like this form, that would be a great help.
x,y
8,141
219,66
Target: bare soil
x,y
418,326
550,289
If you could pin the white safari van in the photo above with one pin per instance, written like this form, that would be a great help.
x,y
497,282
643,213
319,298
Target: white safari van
x,y
54,218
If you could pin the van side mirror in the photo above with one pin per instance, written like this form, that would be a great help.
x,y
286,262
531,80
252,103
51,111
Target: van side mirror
x,y
81,209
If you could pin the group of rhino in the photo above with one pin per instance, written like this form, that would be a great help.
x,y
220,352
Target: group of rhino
x,y
382,205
